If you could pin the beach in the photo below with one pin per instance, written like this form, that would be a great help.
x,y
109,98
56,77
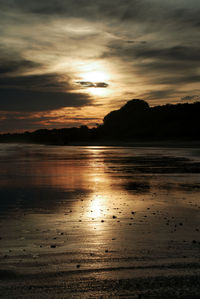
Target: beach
x,y
99,221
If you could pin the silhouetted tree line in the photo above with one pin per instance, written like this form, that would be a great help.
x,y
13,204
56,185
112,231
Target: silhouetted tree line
x,y
135,121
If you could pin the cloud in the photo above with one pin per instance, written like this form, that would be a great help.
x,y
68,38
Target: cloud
x,y
13,66
11,121
43,82
177,53
117,13
191,98
158,94
88,84
29,121
26,100
158,64
38,93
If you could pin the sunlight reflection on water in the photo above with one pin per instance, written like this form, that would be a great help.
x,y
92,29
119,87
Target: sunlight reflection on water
x,y
101,213
96,194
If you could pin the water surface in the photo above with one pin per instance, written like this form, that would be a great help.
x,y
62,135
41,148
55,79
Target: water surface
x,y
91,221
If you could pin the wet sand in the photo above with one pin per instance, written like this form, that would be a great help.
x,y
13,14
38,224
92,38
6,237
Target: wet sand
x,y
99,222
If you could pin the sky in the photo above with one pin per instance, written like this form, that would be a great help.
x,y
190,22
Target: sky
x,y
67,63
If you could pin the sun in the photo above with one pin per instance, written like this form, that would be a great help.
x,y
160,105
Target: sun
x,y
100,92
96,76
93,82
94,79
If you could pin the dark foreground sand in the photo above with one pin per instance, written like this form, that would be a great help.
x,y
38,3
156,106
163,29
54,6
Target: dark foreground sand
x,y
99,223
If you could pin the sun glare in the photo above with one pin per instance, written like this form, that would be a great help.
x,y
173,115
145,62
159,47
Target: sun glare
x,y
98,91
95,76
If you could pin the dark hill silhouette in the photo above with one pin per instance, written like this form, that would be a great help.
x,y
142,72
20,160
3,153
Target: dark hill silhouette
x,y
120,123
135,121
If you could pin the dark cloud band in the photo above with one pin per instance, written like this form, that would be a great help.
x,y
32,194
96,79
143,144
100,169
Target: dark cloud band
x,y
88,84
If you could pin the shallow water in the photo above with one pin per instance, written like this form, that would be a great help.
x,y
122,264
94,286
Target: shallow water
x,y
87,222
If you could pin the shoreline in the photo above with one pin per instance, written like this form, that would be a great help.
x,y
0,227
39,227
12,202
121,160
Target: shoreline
x,y
116,143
